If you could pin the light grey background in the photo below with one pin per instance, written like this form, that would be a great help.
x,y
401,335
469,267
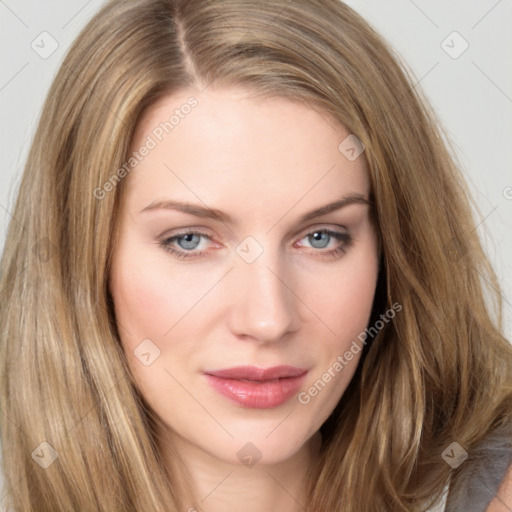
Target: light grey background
x,y
471,92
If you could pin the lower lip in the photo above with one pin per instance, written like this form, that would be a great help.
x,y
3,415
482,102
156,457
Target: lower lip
x,y
257,395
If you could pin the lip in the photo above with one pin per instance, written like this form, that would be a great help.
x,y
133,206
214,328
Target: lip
x,y
257,388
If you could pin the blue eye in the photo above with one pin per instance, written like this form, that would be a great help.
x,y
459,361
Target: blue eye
x,y
324,236
321,238
188,242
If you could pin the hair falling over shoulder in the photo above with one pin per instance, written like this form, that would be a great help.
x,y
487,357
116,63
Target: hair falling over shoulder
x,y
440,372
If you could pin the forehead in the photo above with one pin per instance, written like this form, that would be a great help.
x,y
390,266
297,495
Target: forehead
x,y
226,146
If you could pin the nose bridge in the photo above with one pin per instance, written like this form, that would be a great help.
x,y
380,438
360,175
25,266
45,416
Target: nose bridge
x,y
263,306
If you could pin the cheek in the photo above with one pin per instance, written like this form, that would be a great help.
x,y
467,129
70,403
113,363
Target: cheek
x,y
140,300
147,302
345,299
147,306
345,307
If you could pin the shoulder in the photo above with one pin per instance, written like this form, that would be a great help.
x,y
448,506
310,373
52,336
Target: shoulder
x,y
502,502
483,483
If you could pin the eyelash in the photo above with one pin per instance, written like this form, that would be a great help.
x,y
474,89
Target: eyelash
x,y
345,239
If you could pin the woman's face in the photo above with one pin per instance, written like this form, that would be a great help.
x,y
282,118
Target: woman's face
x,y
236,296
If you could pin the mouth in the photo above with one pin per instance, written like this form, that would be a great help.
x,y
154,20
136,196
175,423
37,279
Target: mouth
x,y
257,388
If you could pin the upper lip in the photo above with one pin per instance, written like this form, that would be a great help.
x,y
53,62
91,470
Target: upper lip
x,y
257,374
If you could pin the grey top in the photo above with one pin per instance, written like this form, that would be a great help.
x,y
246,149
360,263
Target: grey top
x,y
482,473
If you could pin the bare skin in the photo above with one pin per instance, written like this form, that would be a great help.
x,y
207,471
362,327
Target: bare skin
x,y
302,301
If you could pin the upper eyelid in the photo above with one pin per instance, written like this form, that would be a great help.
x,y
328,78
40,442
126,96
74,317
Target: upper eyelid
x,y
291,233
202,231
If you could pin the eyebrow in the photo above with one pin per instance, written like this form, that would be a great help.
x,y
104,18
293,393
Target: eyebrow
x,y
220,216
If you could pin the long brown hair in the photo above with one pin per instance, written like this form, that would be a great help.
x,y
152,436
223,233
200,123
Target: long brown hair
x,y
440,372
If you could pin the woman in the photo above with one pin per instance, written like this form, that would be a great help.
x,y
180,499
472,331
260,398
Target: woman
x,y
176,332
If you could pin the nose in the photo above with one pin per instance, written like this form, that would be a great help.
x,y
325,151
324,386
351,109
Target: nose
x,y
263,303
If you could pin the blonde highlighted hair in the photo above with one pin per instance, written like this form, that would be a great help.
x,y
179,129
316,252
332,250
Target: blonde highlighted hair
x,y
439,372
